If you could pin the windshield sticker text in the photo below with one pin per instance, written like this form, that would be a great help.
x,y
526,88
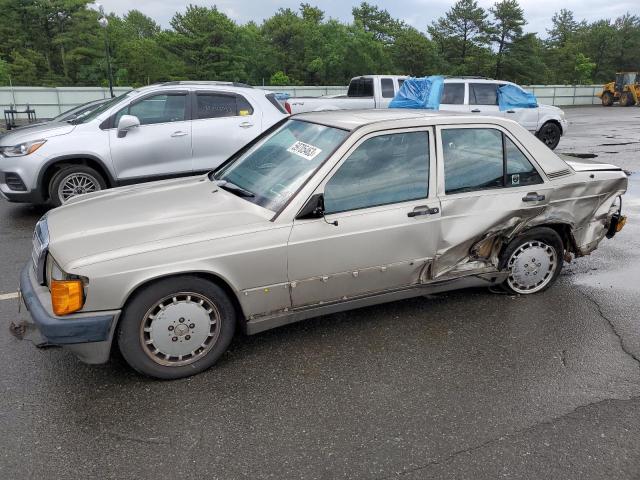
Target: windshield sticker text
x,y
304,150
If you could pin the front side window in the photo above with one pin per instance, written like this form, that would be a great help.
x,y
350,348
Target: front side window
x,y
270,172
387,88
481,159
161,108
215,105
453,94
382,170
483,93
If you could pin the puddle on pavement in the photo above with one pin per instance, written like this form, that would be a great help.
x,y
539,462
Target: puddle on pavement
x,y
617,144
581,155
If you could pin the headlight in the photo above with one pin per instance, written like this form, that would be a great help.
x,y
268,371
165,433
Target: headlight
x,y
22,149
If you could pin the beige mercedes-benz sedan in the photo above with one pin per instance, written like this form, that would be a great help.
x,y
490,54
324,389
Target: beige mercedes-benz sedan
x,y
326,211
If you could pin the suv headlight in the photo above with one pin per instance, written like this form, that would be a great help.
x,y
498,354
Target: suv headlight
x,y
22,149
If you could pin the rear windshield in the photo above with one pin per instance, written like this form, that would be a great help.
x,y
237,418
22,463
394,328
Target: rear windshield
x,y
274,101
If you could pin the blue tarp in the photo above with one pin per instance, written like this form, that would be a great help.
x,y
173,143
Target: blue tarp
x,y
512,96
422,92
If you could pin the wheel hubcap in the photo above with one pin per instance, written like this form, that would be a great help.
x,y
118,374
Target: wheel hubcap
x,y
77,184
180,329
531,267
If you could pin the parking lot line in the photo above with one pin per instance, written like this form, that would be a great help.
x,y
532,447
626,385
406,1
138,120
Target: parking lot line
x,y
8,296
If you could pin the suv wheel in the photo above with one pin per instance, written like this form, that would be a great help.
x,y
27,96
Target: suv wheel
x,y
534,261
176,327
550,134
73,180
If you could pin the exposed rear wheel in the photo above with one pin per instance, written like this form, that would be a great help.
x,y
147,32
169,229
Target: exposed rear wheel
x,y
176,327
73,180
550,134
534,261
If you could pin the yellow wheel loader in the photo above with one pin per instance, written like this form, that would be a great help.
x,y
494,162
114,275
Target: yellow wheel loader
x,y
624,90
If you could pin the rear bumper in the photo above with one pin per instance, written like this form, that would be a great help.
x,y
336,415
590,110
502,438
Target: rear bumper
x,y
88,335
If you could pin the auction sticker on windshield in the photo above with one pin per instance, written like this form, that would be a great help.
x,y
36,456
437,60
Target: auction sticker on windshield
x,y
304,150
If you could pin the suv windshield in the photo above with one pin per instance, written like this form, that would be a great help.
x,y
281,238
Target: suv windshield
x,y
91,114
271,171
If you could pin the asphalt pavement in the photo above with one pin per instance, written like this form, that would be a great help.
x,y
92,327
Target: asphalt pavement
x,y
465,385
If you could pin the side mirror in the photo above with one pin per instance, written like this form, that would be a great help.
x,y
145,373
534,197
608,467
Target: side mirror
x,y
126,123
314,208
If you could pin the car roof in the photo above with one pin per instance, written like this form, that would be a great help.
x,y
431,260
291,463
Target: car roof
x,y
352,119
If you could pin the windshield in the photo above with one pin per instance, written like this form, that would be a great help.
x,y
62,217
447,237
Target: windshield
x,y
91,114
272,170
76,112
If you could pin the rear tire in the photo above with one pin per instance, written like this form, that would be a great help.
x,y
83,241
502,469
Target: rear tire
x,y
626,99
534,261
607,99
176,327
73,180
550,134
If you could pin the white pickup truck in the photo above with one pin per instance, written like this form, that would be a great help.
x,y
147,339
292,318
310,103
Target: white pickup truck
x,y
460,94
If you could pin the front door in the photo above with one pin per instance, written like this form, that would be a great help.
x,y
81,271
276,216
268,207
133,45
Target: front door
x,y
380,196
223,123
161,145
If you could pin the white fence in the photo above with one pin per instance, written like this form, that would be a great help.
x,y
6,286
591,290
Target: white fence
x,y
49,102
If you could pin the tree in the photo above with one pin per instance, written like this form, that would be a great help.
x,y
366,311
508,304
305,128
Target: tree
x,y
461,31
564,28
414,54
505,28
376,21
279,78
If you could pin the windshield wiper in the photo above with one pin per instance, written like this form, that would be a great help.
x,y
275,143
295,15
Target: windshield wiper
x,y
233,188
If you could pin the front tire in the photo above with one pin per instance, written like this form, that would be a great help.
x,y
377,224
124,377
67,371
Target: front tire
x,y
176,327
73,180
550,134
534,261
626,99
607,99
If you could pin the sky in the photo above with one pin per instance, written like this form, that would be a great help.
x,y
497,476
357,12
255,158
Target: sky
x,y
418,13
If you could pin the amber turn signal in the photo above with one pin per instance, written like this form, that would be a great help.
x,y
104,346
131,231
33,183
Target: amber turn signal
x,y
621,223
66,296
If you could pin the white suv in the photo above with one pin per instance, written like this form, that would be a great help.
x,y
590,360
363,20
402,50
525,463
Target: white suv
x,y
161,131
480,95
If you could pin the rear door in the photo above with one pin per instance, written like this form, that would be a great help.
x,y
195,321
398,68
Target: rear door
x,y
454,95
488,186
161,145
382,197
223,122
483,98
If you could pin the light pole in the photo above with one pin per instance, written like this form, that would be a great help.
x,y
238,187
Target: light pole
x,y
104,23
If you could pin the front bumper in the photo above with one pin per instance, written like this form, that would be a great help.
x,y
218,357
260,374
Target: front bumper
x,y
88,335
33,196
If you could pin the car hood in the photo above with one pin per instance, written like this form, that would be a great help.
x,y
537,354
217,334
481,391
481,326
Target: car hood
x,y
549,109
35,132
130,220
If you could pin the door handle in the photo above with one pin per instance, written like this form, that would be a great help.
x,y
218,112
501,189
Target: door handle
x,y
246,125
423,210
511,111
475,110
179,134
533,197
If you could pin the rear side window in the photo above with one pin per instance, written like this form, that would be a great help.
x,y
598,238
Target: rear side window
x,y
216,105
387,88
274,101
453,94
520,171
361,87
483,158
483,93
382,170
